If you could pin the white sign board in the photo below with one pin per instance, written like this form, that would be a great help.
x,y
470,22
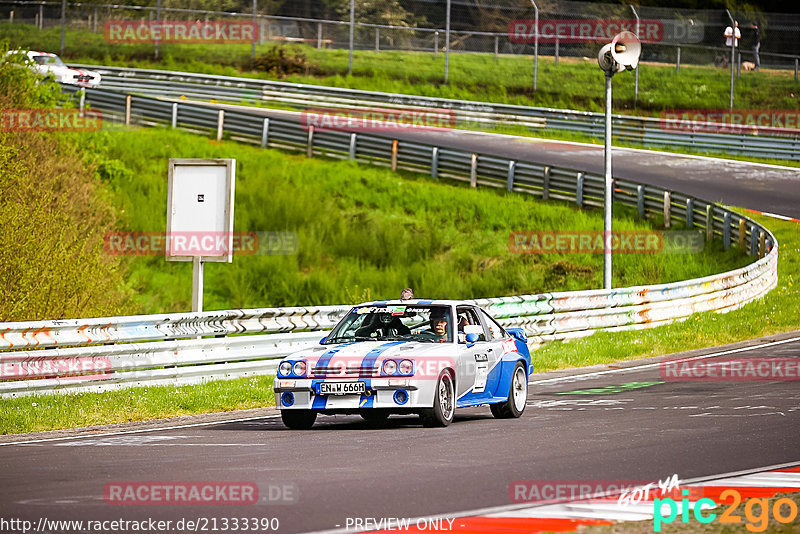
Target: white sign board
x,y
200,209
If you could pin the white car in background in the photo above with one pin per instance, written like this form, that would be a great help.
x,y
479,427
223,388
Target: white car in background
x,y
46,63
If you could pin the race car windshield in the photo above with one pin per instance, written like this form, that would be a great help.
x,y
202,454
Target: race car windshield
x,y
429,324
48,60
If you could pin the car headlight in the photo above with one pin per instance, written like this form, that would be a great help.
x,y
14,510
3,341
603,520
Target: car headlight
x,y
389,367
406,367
299,368
285,368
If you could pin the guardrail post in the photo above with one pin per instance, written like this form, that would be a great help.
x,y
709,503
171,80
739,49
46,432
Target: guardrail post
x,y
678,61
262,34
496,46
435,162
377,39
556,52
796,62
709,223
512,168
174,115
689,213
546,183
436,48
742,232
640,201
762,243
127,110
394,155
310,142
579,191
220,124
319,35
82,103
353,140
726,231
753,240
265,133
667,209
473,171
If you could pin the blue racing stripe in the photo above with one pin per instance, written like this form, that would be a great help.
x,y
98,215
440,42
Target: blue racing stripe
x,y
321,400
369,361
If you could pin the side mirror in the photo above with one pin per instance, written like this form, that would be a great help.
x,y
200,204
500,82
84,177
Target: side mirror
x,y
322,341
472,337
518,333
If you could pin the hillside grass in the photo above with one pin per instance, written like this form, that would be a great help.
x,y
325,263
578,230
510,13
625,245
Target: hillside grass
x,y
363,232
574,83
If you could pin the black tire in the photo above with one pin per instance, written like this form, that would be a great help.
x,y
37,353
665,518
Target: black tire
x,y
374,416
517,396
444,403
298,419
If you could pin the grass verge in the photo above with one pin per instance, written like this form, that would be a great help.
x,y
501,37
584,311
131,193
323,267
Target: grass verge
x,y
776,312
52,412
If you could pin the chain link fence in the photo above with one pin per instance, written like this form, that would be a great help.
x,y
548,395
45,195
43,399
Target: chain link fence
x,y
565,29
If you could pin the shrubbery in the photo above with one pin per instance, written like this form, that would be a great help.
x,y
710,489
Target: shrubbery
x,y
53,215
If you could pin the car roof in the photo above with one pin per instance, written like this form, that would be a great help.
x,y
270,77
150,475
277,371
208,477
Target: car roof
x,y
417,302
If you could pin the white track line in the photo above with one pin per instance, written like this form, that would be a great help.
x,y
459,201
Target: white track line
x,y
651,365
140,430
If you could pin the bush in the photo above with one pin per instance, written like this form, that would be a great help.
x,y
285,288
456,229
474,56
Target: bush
x,y
54,215
280,61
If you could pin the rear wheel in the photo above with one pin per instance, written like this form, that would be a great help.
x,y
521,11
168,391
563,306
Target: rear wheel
x,y
517,396
299,419
444,403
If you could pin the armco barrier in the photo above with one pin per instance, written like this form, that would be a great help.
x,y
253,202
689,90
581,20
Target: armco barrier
x,y
114,352
645,131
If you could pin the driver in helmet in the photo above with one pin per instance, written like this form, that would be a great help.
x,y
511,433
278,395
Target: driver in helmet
x,y
440,323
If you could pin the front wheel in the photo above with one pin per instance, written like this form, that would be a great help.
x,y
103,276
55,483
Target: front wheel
x,y
517,396
299,419
444,403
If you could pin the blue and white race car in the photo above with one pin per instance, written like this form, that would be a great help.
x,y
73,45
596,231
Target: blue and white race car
x,y
425,357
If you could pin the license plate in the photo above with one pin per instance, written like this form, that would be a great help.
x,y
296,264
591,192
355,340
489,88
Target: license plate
x,y
342,388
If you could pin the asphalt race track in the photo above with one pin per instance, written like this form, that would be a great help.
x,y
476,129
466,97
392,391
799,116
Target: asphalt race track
x,y
620,422
760,187
633,424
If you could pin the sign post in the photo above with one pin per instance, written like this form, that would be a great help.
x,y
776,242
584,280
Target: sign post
x,y
200,215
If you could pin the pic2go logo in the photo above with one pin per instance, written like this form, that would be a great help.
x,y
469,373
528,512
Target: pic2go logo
x,y
758,520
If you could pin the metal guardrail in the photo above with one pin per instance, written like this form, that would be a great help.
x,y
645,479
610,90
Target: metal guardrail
x,y
108,353
766,142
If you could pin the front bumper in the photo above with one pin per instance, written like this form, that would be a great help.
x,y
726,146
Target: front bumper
x,y
293,393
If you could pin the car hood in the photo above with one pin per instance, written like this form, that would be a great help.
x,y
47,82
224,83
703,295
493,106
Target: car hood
x,y
64,70
368,352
